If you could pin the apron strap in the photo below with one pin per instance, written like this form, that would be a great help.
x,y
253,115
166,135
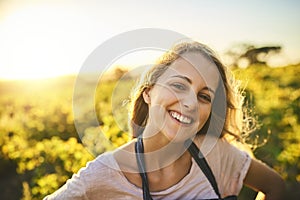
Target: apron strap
x,y
139,152
194,151
202,163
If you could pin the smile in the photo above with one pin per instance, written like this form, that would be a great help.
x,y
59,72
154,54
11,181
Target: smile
x,y
181,118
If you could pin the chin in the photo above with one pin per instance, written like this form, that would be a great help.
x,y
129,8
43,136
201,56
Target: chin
x,y
179,136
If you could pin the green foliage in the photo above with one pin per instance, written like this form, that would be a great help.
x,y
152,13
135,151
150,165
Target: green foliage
x,y
38,135
40,148
275,94
112,99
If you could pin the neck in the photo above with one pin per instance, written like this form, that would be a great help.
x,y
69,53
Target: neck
x,y
159,152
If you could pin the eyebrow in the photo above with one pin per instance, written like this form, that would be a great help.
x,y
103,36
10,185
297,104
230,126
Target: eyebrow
x,y
190,81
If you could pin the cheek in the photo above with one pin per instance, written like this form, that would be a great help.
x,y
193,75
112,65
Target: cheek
x,y
204,113
163,96
157,117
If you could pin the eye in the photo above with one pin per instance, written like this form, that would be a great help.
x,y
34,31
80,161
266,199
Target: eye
x,y
178,86
204,97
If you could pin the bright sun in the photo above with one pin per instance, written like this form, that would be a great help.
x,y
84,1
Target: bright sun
x,y
32,48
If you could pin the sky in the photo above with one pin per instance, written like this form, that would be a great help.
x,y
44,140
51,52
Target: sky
x,y
47,38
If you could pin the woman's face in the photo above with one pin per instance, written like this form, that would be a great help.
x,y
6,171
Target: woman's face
x,y
180,101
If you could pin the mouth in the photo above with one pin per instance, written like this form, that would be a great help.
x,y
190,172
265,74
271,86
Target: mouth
x,y
180,118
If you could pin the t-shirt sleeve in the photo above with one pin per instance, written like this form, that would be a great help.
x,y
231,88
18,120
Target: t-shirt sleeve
x,y
74,188
231,168
81,183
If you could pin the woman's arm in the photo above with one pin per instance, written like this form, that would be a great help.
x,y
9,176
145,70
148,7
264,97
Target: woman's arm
x,y
262,178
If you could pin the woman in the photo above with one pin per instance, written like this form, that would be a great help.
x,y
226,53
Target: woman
x,y
186,102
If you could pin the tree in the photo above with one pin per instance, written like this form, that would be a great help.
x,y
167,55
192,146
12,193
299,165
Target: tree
x,y
246,54
260,55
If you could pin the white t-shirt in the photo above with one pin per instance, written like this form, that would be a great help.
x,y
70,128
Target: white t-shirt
x,y
101,179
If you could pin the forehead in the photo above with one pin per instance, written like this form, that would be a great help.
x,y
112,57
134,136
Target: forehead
x,y
196,67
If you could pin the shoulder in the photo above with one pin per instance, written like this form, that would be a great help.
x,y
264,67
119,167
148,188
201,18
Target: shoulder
x,y
114,161
102,176
88,180
229,158
102,166
125,157
211,145
228,163
223,155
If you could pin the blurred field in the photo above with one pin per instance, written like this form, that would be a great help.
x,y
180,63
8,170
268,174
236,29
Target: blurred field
x,y
40,148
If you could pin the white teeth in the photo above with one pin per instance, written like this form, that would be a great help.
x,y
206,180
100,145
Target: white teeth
x,y
181,118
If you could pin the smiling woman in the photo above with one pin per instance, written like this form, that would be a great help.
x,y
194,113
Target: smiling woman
x,y
173,108
187,86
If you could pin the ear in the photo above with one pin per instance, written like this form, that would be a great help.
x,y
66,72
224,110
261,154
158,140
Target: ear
x,y
146,96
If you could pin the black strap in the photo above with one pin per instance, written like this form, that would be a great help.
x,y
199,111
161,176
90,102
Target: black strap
x,y
196,154
202,163
139,151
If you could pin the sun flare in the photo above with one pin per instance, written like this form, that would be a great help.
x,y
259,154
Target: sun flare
x,y
33,49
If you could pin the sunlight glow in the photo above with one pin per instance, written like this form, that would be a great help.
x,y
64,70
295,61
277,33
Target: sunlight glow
x,y
138,58
40,39
32,48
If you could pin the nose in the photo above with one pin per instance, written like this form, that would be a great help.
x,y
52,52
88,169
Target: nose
x,y
190,101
